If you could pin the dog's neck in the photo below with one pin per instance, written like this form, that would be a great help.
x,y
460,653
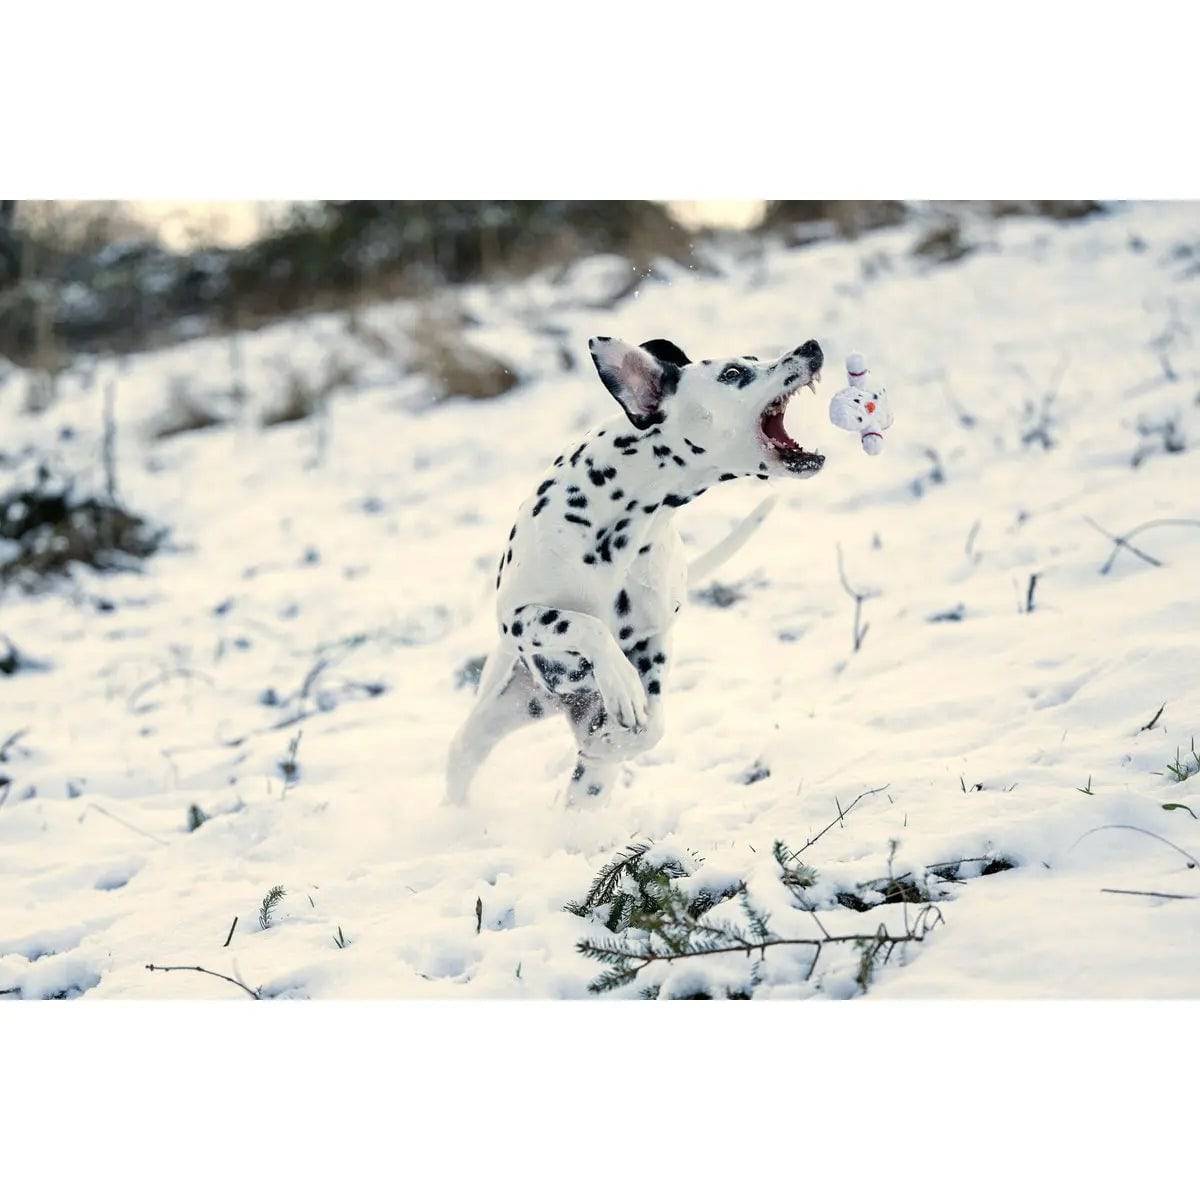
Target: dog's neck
x,y
619,481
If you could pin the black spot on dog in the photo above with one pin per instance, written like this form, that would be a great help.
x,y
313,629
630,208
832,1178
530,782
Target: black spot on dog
x,y
620,542
662,451
593,789
727,476
575,456
517,628
644,550
597,477
644,664
660,658
625,632
578,520
577,774
577,502
625,441
694,448
654,687
751,357
673,501
617,494
558,462
590,559
562,626
508,556
649,508
610,472
621,524
666,352
537,508
639,647
631,506
545,486
549,616
535,708
678,461
512,533
622,602
628,453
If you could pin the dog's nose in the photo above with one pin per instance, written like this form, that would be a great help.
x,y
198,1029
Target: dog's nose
x,y
811,352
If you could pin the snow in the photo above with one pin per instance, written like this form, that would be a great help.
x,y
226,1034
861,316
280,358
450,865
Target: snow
x,y
365,539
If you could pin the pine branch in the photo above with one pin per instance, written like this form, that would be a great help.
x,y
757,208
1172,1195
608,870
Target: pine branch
x,y
270,902
627,961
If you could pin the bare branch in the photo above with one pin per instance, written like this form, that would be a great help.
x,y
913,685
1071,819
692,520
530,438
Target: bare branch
x,y
1191,860
1155,895
842,814
860,630
254,995
1122,541
121,821
1148,726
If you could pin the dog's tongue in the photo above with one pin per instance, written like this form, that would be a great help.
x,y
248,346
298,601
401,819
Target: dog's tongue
x,y
774,429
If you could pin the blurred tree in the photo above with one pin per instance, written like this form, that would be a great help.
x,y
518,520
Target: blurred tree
x,y
849,217
10,250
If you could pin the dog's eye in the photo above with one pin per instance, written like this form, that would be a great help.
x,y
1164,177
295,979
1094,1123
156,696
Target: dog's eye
x,y
730,375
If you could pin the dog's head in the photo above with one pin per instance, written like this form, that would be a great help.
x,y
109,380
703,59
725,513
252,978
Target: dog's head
x,y
733,408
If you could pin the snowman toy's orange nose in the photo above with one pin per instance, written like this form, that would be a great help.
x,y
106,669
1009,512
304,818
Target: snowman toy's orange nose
x,y
870,406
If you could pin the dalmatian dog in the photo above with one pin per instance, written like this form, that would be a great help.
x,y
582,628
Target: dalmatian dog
x,y
594,574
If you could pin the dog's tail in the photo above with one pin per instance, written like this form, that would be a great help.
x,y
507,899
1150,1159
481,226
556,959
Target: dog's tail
x,y
730,544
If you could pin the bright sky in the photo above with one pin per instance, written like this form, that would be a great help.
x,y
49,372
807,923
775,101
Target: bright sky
x,y
184,223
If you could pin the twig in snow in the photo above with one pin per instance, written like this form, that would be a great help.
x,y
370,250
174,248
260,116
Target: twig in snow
x,y
1191,860
860,630
230,937
1154,719
478,914
1122,542
10,741
1033,581
109,444
254,995
121,821
174,673
967,549
1155,895
289,768
842,814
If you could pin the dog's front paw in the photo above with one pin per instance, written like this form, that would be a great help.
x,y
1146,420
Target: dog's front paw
x,y
623,694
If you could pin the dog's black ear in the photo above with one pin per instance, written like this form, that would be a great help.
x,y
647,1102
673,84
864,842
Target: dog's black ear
x,y
639,381
666,352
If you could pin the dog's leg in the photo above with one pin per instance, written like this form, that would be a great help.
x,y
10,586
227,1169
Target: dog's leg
x,y
602,749
591,780
508,699
573,654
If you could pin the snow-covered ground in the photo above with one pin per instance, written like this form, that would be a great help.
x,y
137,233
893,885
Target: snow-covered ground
x,y
328,580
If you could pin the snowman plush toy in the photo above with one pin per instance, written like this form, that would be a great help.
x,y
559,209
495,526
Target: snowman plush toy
x,y
861,408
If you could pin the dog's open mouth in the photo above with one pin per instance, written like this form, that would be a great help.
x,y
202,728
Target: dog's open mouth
x,y
791,453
